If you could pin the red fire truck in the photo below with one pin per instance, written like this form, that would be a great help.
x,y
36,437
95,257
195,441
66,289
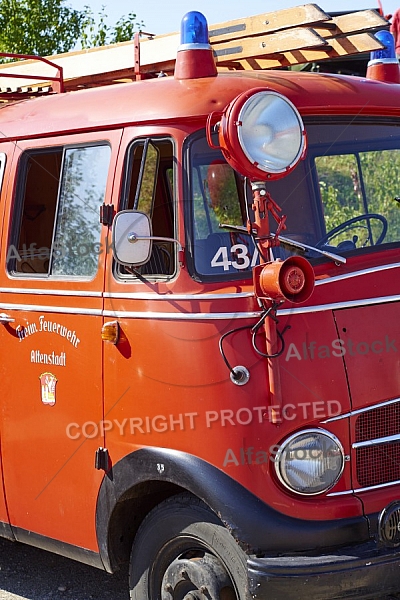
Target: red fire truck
x,y
200,332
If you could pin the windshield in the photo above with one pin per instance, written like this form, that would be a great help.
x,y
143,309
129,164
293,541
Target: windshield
x,y
343,198
218,198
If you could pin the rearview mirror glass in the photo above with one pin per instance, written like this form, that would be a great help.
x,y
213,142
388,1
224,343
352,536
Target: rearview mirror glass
x,y
131,237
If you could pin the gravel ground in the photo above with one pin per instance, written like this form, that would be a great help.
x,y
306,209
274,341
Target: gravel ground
x,y
27,573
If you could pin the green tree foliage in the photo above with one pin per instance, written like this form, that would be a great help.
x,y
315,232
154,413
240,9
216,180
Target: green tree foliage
x,y
46,27
351,187
339,188
40,27
97,32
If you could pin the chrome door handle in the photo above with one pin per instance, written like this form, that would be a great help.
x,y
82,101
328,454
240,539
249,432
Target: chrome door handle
x,y
5,319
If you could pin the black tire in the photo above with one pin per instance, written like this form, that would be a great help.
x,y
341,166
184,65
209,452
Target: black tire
x,y
182,546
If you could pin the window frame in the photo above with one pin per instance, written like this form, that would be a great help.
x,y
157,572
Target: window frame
x,y
18,205
241,275
135,275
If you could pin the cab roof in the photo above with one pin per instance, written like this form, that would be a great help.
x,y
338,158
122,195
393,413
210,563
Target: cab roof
x,y
166,100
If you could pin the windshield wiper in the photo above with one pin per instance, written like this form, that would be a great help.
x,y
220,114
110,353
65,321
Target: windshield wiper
x,y
291,243
300,246
240,228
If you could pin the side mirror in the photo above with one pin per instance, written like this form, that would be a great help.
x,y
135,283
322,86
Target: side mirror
x,y
132,242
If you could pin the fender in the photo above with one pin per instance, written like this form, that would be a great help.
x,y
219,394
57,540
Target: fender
x,y
257,527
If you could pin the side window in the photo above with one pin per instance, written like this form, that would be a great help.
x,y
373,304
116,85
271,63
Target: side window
x,y
149,188
56,227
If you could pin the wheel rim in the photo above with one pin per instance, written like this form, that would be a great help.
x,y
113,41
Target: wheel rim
x,y
192,572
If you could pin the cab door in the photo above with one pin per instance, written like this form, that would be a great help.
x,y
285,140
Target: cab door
x,y
6,154
51,281
134,369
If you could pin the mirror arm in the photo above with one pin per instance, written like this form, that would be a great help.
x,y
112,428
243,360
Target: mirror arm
x,y
133,237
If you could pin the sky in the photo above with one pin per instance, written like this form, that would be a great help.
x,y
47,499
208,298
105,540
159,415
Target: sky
x,y
162,16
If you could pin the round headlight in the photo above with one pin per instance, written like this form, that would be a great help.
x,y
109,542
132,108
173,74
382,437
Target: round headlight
x,y
310,462
262,135
270,132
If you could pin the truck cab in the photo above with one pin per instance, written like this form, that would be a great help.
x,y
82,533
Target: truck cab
x,y
199,307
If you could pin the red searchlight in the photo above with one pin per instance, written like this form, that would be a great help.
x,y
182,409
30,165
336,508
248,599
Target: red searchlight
x,y
292,279
261,134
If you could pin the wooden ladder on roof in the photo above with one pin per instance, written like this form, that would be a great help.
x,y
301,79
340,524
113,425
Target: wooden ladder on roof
x,y
283,38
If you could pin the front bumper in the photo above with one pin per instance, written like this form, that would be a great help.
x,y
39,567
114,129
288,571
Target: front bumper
x,y
358,572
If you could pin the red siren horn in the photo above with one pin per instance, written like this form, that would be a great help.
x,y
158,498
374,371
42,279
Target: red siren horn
x,y
292,279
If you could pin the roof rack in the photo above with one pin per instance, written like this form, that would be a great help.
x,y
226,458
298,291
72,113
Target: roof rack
x,y
37,89
282,38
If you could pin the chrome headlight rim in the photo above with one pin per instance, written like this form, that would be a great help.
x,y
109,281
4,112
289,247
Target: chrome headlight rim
x,y
245,113
287,441
230,128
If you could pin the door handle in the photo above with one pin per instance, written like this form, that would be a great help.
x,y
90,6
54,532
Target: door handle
x,y
5,319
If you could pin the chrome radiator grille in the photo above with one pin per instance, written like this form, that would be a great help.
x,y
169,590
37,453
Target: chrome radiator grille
x,y
377,445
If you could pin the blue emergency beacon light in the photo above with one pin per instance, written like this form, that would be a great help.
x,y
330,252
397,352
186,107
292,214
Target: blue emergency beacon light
x,y
195,57
383,64
194,32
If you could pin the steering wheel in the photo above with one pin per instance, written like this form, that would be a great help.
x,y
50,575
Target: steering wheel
x,y
348,225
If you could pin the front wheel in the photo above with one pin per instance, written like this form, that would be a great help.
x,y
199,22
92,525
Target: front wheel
x,y
182,551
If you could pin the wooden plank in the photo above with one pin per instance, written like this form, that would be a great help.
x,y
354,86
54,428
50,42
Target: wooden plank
x,y
75,64
116,59
159,49
117,76
306,15
352,44
290,39
103,58
106,64
270,22
364,20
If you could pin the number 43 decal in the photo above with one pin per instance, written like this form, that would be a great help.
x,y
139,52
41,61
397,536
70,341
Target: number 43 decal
x,y
239,252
